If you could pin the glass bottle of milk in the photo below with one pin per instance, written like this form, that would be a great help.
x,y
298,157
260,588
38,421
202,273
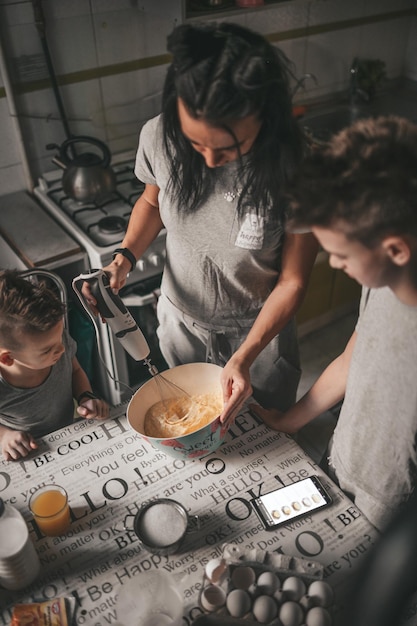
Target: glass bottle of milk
x,y
19,561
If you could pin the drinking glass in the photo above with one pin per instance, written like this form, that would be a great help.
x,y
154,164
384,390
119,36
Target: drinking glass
x,y
50,509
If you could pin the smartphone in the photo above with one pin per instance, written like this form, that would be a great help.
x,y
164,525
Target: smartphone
x,y
291,502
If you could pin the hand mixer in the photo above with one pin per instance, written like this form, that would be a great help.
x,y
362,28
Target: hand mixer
x,y
112,309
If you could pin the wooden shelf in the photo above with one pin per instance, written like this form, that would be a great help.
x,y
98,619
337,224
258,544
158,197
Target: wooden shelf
x,y
195,9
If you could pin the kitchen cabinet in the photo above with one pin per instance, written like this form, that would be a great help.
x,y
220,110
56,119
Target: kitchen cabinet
x,y
330,294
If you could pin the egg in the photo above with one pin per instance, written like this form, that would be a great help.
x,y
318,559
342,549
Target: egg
x,y
238,603
318,616
294,588
212,598
243,577
307,602
216,570
321,593
264,609
291,614
279,596
268,583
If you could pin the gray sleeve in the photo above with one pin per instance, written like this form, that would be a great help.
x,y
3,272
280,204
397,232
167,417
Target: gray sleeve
x,y
145,157
366,292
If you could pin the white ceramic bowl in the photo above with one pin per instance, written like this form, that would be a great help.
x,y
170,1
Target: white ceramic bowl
x,y
196,379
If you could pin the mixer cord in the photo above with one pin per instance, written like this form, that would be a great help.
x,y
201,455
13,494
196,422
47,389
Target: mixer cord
x,y
97,335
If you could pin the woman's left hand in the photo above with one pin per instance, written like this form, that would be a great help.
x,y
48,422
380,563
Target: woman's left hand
x,y
237,388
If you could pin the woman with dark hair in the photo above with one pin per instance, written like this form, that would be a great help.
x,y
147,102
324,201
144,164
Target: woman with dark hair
x,y
216,163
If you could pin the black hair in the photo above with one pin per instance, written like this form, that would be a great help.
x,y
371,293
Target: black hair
x,y
224,72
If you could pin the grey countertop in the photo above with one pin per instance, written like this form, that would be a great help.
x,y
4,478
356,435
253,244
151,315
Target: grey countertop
x,y
32,234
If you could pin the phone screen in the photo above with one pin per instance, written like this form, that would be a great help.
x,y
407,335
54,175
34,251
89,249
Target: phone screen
x,y
287,503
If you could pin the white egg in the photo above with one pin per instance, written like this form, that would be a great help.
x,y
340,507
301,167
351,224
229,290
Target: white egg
x,y
294,588
280,597
243,577
321,593
317,616
268,583
291,614
212,597
264,609
238,603
307,602
216,570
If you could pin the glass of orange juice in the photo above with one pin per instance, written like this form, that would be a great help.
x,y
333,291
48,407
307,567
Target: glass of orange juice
x,y
49,507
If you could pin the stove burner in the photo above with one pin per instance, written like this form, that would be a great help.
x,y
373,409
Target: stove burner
x,y
112,224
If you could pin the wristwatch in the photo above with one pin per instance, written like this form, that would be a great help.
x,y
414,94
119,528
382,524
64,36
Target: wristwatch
x,y
87,394
128,255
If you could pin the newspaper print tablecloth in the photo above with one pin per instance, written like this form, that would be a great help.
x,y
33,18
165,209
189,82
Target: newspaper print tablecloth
x,y
109,472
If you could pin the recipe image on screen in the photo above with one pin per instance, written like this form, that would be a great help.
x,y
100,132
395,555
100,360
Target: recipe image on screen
x,y
286,503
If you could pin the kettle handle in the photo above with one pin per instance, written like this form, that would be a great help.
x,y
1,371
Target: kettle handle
x,y
85,139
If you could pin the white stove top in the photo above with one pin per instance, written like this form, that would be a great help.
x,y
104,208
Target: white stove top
x,y
100,227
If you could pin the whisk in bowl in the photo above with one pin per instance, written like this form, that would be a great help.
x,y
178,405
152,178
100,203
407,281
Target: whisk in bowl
x,y
177,403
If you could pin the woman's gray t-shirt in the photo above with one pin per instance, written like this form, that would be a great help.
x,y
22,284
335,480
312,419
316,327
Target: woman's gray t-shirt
x,y
219,268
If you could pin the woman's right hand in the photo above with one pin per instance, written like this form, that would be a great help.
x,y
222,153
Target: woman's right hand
x,y
117,272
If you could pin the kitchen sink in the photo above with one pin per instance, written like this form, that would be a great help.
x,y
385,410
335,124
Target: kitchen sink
x,y
323,122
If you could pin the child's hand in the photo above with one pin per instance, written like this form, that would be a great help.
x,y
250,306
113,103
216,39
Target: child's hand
x,y
16,444
275,419
93,408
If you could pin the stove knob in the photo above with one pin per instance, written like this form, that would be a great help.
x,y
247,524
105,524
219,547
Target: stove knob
x,y
155,259
141,265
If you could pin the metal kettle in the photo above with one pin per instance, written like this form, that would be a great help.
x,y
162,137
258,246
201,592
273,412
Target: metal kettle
x,y
87,176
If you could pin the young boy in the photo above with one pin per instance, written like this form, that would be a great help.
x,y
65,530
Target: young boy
x,y
39,372
358,194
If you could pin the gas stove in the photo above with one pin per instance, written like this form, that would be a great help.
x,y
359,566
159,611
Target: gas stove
x,y
100,226
99,229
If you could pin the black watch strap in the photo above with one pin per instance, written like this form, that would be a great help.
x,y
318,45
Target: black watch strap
x,y
128,255
86,394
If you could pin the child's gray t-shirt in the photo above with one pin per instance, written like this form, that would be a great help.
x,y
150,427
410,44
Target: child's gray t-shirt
x,y
43,409
374,445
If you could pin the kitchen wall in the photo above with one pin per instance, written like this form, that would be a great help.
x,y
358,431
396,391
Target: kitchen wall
x,y
110,59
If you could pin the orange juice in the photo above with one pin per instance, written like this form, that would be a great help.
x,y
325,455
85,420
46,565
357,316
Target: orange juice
x,y
50,509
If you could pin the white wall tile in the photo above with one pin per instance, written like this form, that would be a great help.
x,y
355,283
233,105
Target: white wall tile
x,y
295,49
373,7
334,11
9,153
120,36
280,18
12,179
330,56
89,34
387,41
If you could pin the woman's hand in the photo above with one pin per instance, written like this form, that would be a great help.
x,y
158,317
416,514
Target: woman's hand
x,y
117,273
236,386
16,444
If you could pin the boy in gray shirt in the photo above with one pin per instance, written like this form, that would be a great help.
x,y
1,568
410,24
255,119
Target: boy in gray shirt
x,y
358,194
39,373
